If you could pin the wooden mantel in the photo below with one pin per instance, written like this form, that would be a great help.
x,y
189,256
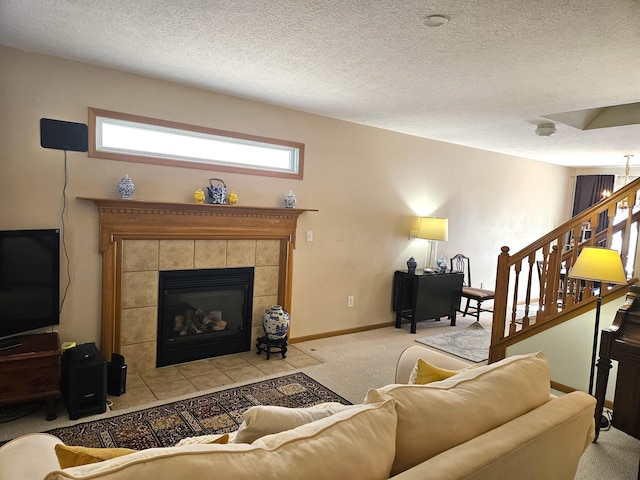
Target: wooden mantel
x,y
132,219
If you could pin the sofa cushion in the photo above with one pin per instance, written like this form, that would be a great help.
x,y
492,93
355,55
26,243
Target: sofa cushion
x,y
264,420
435,417
356,443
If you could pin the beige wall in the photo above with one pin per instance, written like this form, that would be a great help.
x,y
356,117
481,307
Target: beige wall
x,y
368,185
573,373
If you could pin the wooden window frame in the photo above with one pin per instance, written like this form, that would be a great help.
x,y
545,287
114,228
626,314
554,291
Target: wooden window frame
x,y
150,159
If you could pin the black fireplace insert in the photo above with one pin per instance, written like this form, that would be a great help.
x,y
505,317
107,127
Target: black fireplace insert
x,y
203,313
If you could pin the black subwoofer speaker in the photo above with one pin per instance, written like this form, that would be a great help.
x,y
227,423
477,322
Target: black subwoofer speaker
x,y
84,381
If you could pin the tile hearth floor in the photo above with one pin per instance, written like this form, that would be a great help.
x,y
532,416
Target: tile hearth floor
x,y
192,377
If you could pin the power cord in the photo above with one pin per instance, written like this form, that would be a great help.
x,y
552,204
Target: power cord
x,y
64,229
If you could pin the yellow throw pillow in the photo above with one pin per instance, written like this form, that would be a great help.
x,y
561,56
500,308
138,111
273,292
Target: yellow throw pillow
x,y
70,456
424,373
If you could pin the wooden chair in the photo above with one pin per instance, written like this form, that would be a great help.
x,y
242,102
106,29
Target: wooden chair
x,y
460,263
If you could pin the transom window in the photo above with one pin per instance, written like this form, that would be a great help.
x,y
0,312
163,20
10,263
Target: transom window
x,y
120,136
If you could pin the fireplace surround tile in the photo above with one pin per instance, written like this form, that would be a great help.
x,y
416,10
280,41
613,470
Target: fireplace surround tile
x,y
267,252
241,253
176,254
210,254
260,304
139,325
140,357
139,289
265,281
140,255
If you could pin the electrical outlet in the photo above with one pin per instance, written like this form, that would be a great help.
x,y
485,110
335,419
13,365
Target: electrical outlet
x,y
350,301
413,234
309,236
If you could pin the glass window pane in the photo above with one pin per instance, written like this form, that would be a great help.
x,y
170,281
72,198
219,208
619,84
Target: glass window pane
x,y
131,139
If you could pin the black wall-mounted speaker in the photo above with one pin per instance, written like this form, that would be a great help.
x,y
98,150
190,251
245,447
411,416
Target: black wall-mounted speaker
x,y
62,135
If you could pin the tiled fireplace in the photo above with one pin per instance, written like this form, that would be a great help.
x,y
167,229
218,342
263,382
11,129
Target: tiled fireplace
x,y
138,240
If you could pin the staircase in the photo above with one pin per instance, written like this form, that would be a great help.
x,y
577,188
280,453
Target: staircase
x,y
533,291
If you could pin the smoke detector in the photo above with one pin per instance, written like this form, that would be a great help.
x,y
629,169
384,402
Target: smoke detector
x,y
546,129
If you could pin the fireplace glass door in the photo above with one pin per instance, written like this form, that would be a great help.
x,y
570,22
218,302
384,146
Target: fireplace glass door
x,y
203,313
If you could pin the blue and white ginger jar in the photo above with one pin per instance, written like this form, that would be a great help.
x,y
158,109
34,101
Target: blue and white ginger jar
x,y
290,200
275,322
125,188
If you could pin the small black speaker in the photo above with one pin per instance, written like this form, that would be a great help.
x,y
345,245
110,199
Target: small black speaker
x,y
116,375
83,380
62,135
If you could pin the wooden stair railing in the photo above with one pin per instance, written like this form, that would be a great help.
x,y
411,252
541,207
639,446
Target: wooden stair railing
x,y
533,291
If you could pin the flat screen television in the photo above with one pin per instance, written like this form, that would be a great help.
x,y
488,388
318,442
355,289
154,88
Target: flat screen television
x,y
29,281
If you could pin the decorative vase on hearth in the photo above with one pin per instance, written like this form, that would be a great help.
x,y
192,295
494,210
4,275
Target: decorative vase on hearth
x,y
275,322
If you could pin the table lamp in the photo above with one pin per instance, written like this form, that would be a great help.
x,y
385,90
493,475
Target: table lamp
x,y
432,229
598,265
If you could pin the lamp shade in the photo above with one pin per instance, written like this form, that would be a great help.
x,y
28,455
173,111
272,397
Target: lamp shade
x,y
599,265
432,228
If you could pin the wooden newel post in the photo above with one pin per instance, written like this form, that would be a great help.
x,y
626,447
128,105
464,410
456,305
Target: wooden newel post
x,y
497,352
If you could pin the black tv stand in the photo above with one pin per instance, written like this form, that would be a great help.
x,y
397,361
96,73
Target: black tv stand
x,y
12,342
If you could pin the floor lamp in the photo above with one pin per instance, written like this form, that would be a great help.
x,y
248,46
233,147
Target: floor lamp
x,y
598,265
433,229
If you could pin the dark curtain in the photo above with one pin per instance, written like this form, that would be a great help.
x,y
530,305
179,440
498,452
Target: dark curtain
x,y
588,192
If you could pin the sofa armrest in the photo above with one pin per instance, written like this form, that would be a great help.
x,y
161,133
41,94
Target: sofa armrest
x,y
29,457
410,356
546,442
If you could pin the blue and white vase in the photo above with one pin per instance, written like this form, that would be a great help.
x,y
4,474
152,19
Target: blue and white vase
x,y
290,200
275,322
411,265
126,187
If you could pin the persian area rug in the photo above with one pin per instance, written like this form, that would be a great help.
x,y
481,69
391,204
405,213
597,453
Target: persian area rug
x,y
218,412
472,343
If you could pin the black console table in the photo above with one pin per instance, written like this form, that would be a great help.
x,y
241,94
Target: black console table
x,y
426,296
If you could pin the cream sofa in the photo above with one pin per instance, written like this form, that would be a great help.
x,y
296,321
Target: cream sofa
x,y
491,422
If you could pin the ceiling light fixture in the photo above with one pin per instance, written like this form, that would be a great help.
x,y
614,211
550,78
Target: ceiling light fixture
x,y
435,20
546,129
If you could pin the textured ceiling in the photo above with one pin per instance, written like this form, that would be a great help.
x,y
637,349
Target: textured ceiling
x,y
484,80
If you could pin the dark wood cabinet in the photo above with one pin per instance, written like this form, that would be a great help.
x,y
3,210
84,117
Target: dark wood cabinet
x,y
31,371
621,342
426,296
